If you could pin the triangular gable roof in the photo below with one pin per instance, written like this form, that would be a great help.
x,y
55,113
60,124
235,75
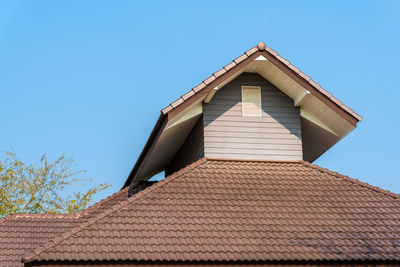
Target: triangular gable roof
x,y
264,51
226,210
323,99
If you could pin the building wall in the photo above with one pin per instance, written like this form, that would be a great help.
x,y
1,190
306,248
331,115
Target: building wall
x,y
276,135
191,150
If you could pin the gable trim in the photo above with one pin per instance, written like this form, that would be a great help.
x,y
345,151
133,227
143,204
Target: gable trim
x,y
148,147
262,50
184,103
305,81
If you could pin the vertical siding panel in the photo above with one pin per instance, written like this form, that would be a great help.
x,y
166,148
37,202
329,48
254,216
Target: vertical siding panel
x,y
228,134
191,150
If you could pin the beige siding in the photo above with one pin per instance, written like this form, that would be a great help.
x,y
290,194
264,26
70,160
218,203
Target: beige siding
x,y
276,135
191,150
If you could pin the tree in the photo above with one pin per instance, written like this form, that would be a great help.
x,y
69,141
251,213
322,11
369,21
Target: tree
x,y
40,189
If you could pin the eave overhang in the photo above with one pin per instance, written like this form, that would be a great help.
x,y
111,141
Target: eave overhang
x,y
318,109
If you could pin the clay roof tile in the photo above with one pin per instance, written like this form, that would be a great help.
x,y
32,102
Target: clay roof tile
x,y
27,234
202,217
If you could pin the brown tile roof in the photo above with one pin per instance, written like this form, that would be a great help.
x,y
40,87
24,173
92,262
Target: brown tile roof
x,y
220,76
260,47
104,204
21,233
227,210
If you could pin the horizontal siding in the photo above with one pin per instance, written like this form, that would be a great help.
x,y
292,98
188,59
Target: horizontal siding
x,y
250,136
252,124
278,103
255,146
276,135
252,156
238,113
242,129
276,108
289,119
253,151
260,141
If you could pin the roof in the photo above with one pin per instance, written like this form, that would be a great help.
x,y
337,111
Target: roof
x,y
322,104
21,233
260,49
230,210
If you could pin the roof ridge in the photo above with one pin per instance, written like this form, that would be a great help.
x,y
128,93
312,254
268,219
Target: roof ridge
x,y
209,79
261,46
352,180
58,239
14,216
7,218
76,215
95,206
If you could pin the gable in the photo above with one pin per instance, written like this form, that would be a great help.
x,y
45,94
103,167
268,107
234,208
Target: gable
x,y
273,135
318,109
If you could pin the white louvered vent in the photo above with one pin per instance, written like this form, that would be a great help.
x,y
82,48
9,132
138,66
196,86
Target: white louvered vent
x,y
251,101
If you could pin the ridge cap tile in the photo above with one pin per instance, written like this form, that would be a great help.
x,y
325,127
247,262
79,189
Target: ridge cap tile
x,y
98,204
251,51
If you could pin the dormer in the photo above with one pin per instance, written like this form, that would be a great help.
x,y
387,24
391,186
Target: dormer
x,y
258,107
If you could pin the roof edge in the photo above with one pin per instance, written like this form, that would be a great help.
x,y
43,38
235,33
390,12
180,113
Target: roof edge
x,y
97,205
15,216
168,113
32,256
352,180
260,47
254,160
76,215
309,262
148,147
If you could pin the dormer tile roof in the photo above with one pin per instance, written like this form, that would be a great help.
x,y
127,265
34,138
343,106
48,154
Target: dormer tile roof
x,y
236,211
258,48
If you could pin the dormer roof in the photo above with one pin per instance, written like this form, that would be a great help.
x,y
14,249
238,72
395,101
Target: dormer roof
x,y
260,52
322,112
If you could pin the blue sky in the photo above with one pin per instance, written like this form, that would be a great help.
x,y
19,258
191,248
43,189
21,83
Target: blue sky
x,y
88,78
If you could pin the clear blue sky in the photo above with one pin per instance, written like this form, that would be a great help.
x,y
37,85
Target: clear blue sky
x,y
88,78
